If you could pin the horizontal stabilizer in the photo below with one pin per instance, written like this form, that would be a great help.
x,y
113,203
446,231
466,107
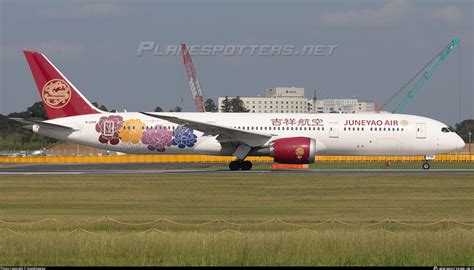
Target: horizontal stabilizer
x,y
40,123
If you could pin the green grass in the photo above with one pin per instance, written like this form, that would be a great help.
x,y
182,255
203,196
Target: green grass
x,y
371,165
302,200
328,247
377,165
394,165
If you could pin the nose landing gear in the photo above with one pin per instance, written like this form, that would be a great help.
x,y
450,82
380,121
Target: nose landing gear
x,y
426,165
243,165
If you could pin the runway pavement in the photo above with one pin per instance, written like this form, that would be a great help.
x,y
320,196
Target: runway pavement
x,y
201,168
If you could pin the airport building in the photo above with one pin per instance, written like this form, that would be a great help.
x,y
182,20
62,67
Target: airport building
x,y
293,100
343,106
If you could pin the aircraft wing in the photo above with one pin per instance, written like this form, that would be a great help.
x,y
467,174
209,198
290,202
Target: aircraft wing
x,y
40,123
224,134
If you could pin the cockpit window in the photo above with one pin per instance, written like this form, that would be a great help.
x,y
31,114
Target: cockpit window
x,y
445,130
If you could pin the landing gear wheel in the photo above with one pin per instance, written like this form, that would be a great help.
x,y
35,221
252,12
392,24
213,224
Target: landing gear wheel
x,y
426,166
234,165
246,165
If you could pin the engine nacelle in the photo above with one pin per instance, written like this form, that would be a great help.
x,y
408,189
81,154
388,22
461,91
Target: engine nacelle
x,y
294,150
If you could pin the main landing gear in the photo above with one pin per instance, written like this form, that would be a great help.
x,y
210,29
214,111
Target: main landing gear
x,y
243,165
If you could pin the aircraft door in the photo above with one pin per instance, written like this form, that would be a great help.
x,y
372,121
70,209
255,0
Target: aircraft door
x,y
333,130
421,130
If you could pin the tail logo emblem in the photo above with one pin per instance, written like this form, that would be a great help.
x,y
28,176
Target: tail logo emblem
x,y
299,152
56,93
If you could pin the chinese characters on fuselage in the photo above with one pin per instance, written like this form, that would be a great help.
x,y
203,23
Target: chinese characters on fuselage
x,y
301,122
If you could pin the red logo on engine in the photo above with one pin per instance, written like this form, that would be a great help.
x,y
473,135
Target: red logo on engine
x,y
56,93
299,152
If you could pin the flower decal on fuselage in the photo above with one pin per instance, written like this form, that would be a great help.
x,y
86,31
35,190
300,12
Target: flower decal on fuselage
x,y
108,127
157,138
183,137
131,131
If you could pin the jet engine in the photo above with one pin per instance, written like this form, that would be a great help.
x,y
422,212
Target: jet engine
x,y
294,150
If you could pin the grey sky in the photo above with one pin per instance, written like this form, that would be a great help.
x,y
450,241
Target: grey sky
x,y
381,44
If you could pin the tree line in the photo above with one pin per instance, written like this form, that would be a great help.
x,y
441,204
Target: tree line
x,y
14,137
228,105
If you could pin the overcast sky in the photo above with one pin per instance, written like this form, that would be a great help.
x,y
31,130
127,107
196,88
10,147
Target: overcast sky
x,y
380,45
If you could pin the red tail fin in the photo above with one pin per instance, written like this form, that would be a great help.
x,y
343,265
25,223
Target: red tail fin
x,y
60,97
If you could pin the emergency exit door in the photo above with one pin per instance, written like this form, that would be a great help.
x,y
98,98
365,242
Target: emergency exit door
x,y
333,130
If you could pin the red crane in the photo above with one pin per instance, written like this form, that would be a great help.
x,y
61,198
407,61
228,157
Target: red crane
x,y
193,80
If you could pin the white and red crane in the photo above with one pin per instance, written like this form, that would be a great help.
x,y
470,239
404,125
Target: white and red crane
x,y
193,80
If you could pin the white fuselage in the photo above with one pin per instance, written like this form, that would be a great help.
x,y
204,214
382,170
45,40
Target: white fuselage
x,y
335,134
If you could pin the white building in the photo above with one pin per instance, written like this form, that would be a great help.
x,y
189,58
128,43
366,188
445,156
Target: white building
x,y
342,106
293,100
276,100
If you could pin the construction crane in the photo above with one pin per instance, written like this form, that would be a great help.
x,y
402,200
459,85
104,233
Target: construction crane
x,y
429,69
193,80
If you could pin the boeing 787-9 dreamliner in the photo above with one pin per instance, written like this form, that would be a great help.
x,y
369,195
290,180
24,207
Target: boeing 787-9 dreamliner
x,y
288,138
